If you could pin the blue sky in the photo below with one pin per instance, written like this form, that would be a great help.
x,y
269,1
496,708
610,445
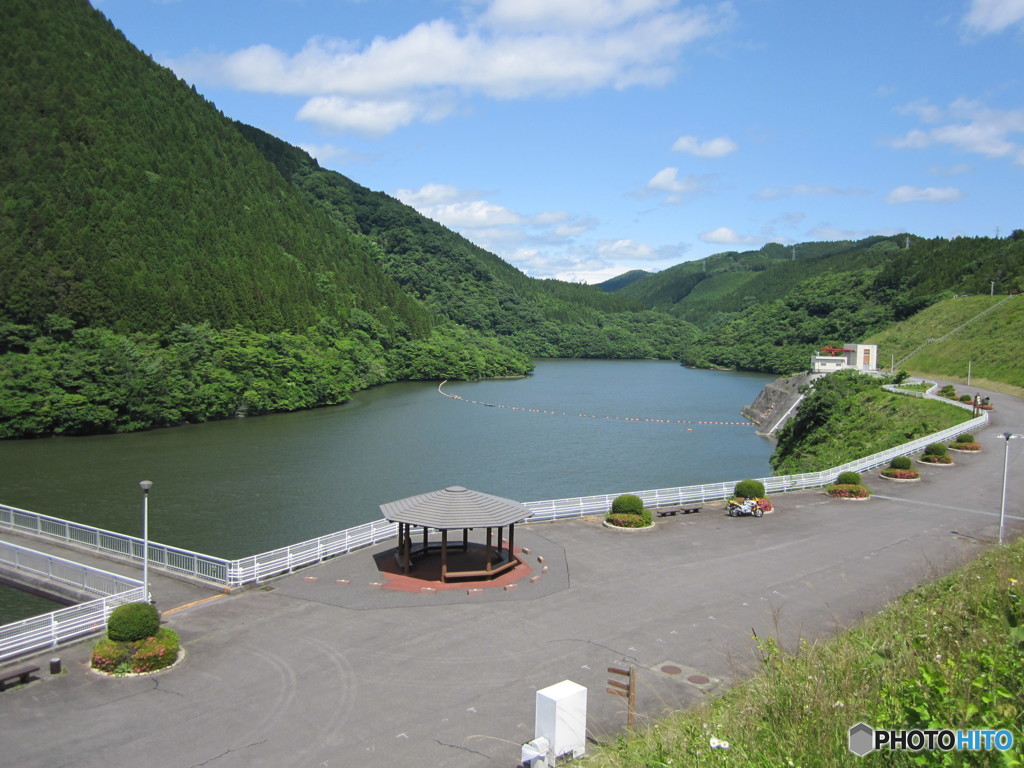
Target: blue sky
x,y
579,139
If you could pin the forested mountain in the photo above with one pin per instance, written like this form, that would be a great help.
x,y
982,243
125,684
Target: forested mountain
x,y
475,288
768,310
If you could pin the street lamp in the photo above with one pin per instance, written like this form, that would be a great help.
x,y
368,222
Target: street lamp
x,y
1008,436
145,485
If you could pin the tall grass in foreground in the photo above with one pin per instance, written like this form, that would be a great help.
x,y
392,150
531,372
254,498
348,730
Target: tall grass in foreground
x,y
949,654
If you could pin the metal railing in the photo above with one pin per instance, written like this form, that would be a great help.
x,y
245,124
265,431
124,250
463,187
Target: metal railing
x,y
52,568
277,561
51,629
205,567
256,568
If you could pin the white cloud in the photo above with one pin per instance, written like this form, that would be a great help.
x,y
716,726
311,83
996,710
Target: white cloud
x,y
472,214
678,189
968,126
805,190
908,194
374,118
594,265
515,49
627,249
492,226
988,16
717,147
727,236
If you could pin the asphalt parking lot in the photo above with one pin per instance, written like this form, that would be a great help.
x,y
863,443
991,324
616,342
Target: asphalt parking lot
x,y
327,668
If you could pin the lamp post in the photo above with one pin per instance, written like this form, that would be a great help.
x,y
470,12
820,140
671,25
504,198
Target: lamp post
x,y
145,485
1007,436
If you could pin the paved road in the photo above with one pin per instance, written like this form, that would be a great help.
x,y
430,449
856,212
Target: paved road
x,y
322,668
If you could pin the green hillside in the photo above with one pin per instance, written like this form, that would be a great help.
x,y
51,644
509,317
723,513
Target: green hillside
x,y
980,332
768,311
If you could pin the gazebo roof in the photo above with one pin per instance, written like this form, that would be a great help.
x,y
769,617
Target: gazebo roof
x,y
455,507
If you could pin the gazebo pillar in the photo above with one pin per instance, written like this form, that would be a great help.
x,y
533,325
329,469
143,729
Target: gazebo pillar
x,y
444,554
511,540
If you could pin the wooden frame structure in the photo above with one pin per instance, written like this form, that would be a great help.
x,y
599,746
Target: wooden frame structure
x,y
451,509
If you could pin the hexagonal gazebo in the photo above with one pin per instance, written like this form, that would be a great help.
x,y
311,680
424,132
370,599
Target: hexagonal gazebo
x,y
451,509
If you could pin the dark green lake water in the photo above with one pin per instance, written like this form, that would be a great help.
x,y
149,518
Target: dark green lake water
x,y
235,488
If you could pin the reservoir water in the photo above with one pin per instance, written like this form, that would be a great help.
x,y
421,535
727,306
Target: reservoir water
x,y
235,488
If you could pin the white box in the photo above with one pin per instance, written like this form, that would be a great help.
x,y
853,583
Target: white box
x,y
562,717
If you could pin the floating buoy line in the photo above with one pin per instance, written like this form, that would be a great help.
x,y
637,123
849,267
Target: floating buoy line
x,y
440,390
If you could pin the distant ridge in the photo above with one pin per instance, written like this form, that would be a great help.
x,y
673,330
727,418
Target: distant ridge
x,y
620,282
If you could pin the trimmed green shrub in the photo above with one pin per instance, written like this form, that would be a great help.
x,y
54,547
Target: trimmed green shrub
x,y
133,621
936,449
900,462
848,478
628,504
965,438
965,398
749,489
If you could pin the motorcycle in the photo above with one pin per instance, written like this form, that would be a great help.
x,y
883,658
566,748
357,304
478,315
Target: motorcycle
x,y
745,507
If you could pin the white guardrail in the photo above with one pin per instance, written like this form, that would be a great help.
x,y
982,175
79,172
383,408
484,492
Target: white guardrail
x,y
77,621
256,568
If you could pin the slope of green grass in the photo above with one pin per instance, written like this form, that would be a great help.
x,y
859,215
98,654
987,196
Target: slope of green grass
x,y
848,416
990,345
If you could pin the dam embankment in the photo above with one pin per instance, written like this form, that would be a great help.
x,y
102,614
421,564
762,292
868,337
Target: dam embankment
x,y
775,403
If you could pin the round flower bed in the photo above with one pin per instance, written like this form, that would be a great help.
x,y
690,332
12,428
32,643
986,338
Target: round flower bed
x,y
848,491
627,521
135,657
937,461
964,447
906,475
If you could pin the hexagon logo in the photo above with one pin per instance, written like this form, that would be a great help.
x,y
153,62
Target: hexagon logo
x,y
861,740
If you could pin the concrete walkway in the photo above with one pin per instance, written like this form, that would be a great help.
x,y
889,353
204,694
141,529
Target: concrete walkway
x,y
326,668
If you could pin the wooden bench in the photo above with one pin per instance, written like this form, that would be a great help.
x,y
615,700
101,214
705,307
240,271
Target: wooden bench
x,y
678,511
21,673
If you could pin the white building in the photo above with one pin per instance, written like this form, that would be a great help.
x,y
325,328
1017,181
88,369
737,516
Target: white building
x,y
858,357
